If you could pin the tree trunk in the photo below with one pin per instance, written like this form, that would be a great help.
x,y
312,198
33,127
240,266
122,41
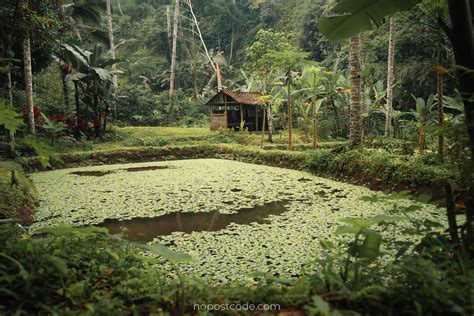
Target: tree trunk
x,y
10,100
315,114
196,90
270,123
67,103
174,47
263,127
173,60
112,53
231,54
29,82
119,7
462,39
96,114
440,116
355,136
78,116
218,76
451,214
315,126
168,27
390,66
290,114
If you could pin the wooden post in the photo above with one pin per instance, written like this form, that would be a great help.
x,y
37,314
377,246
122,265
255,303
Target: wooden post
x,y
225,112
211,116
263,127
241,117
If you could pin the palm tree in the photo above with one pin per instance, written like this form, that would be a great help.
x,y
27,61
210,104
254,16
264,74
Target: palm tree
x,y
423,113
390,66
335,89
355,136
28,82
173,53
311,78
112,50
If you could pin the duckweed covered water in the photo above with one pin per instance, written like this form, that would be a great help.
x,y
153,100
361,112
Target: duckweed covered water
x,y
283,244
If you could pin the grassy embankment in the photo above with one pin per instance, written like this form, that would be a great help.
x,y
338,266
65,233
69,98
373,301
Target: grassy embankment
x,y
384,168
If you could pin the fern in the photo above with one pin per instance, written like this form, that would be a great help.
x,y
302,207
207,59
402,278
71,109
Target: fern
x,y
10,119
44,151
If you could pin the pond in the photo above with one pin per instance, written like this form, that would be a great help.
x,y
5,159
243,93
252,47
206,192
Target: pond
x,y
234,218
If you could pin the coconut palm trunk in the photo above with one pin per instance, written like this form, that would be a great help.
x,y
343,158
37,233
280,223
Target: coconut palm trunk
x,y
390,68
112,52
173,59
355,136
315,114
270,123
97,114
290,114
28,73
78,109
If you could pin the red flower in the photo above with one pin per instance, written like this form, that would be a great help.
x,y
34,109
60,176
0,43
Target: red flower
x,y
36,110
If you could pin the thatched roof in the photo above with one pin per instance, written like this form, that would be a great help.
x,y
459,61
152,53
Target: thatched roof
x,y
251,98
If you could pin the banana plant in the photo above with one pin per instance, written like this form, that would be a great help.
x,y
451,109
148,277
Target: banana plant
x,y
89,72
424,113
372,105
455,103
312,79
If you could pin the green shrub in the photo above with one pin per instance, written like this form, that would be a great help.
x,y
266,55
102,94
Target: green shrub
x,y
17,192
147,142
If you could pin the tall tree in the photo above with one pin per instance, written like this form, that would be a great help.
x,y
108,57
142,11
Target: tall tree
x,y
112,51
173,60
355,136
390,68
28,73
174,47
288,60
358,16
261,66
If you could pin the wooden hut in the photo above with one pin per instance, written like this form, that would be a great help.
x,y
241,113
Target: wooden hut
x,y
229,108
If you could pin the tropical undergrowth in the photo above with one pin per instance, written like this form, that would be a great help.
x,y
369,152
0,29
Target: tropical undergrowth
x,y
17,193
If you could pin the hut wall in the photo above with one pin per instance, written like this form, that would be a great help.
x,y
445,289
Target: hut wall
x,y
218,121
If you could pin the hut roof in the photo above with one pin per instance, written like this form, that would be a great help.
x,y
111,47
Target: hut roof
x,y
251,98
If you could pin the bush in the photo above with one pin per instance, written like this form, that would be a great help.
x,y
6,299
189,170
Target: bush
x,y
18,196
